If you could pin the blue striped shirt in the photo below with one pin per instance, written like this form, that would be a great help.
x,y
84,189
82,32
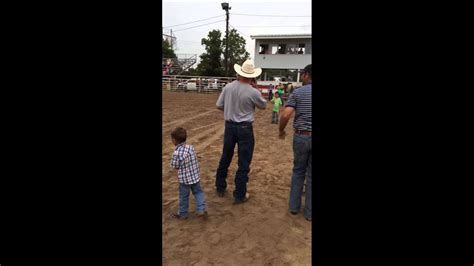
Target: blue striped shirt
x,y
185,160
300,99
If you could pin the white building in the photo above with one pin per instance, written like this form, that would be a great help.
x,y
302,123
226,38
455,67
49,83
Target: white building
x,y
290,52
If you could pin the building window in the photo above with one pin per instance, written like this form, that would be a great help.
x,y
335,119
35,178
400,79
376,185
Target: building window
x,y
263,49
301,48
274,49
281,48
292,49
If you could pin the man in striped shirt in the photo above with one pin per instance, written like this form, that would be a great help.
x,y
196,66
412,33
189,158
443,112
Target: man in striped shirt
x,y
300,103
185,160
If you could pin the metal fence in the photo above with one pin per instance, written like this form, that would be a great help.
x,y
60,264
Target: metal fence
x,y
200,84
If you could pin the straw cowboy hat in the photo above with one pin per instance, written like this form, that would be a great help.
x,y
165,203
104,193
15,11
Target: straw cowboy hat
x,y
248,69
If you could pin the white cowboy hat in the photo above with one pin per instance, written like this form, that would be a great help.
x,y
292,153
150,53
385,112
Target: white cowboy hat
x,y
248,69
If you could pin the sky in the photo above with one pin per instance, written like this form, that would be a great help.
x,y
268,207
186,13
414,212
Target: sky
x,y
177,12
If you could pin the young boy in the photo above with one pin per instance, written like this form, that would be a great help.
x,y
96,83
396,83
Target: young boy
x,y
185,160
276,108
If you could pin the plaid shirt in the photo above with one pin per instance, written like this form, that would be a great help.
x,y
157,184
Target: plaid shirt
x,y
185,160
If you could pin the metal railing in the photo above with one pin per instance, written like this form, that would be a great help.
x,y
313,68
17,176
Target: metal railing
x,y
202,84
179,64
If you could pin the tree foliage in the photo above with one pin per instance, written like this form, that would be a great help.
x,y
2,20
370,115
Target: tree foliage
x,y
167,50
212,61
237,52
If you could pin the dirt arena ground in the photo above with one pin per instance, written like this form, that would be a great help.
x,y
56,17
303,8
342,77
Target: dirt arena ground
x,y
258,232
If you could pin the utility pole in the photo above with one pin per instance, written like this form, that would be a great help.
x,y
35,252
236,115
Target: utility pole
x,y
226,7
171,38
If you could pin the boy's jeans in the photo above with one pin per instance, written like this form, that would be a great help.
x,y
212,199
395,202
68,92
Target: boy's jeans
x,y
241,134
184,198
301,166
275,117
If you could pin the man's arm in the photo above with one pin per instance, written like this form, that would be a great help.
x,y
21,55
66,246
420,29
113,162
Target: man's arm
x,y
286,114
259,101
285,117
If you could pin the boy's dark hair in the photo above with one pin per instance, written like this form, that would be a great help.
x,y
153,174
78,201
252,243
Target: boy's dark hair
x,y
179,134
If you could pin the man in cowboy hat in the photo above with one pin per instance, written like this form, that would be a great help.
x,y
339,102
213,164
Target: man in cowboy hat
x,y
300,103
238,100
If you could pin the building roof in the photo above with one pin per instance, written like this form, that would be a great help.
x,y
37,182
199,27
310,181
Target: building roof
x,y
281,36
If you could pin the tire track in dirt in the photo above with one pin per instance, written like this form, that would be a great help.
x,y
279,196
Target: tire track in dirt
x,y
208,137
182,121
205,126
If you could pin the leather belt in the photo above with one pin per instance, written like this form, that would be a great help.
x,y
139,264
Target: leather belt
x,y
238,123
303,132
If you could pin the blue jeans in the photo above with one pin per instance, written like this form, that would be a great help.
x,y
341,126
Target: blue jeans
x,y
274,117
242,135
184,198
302,165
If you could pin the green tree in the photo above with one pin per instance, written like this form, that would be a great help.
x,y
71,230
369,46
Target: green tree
x,y
237,52
167,50
211,62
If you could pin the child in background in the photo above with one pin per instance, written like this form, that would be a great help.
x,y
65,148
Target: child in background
x,y
185,160
276,108
270,92
291,88
281,92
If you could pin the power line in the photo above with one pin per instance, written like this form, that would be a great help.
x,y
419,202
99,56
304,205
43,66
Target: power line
x,y
238,14
239,31
275,26
189,41
188,44
199,25
192,21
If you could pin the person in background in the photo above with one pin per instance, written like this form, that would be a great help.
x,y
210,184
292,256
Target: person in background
x,y
276,108
270,92
199,85
281,92
290,88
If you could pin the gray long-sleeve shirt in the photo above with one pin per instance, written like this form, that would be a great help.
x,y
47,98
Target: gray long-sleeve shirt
x,y
238,100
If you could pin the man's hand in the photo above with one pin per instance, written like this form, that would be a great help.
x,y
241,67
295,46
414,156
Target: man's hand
x,y
282,134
